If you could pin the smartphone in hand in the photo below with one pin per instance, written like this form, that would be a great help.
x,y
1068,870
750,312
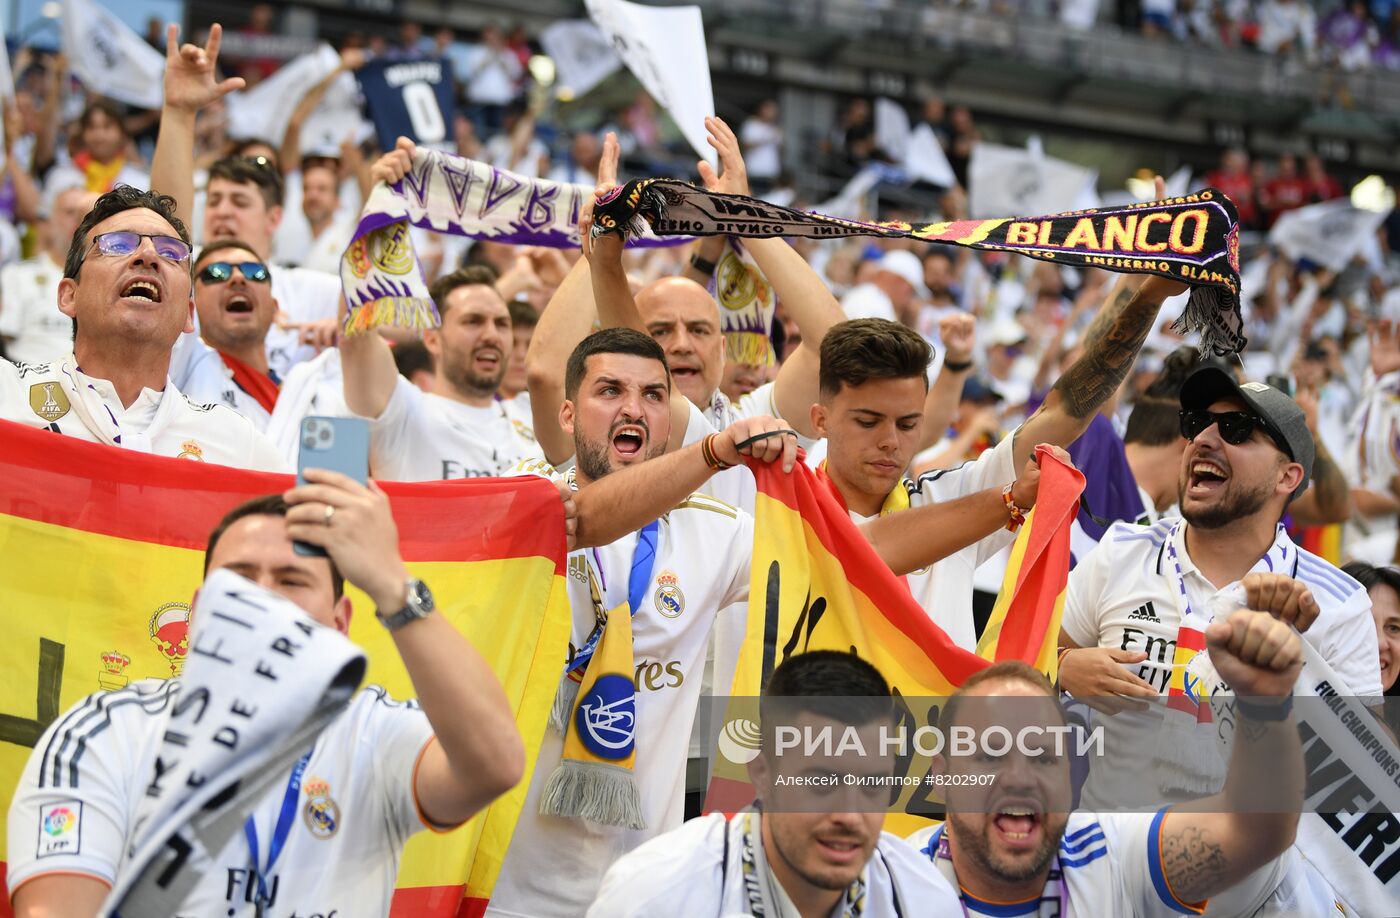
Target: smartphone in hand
x,y
338,444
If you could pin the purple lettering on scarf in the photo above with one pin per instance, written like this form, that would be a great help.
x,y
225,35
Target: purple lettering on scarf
x,y
539,210
502,186
459,183
418,177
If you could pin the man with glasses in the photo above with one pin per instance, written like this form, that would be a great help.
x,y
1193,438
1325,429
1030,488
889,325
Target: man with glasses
x,y
126,286
226,361
1143,589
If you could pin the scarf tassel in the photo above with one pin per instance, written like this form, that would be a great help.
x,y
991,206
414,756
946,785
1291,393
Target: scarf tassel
x,y
596,791
565,697
392,312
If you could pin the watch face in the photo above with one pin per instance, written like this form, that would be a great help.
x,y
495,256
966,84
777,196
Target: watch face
x,y
420,597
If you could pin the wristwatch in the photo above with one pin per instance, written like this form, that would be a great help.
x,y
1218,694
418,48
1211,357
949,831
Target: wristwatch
x,y
418,605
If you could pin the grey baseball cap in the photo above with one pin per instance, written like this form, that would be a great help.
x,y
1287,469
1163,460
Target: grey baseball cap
x,y
1283,419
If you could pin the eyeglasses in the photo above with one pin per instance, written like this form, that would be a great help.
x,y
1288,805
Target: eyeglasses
x,y
219,272
1235,426
121,243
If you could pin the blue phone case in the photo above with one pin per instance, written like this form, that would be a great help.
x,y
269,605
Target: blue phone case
x,y
338,444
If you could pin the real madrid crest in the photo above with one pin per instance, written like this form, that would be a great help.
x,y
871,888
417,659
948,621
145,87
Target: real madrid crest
x,y
670,601
321,813
48,400
190,450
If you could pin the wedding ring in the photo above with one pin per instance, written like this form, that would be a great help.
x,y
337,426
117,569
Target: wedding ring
x,y
330,512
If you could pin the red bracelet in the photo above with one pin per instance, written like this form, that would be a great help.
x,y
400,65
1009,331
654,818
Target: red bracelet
x,y
712,459
1018,516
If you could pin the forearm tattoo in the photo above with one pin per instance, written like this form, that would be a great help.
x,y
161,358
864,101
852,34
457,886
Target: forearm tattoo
x,y
1113,341
1328,479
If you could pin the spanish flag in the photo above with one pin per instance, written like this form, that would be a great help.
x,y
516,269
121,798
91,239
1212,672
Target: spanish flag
x,y
101,550
817,584
1025,622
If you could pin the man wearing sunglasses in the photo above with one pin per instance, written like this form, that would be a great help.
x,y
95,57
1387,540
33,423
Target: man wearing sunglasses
x,y
1249,455
225,362
126,286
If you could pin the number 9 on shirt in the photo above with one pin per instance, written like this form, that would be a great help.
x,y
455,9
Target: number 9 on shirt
x,y
338,444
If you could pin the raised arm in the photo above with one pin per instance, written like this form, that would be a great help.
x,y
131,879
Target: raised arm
x,y
800,289
1211,844
478,754
367,365
289,155
922,536
627,500
190,85
958,335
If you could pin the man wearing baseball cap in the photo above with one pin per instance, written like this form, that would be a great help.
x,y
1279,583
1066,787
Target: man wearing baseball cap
x,y
1145,591
893,291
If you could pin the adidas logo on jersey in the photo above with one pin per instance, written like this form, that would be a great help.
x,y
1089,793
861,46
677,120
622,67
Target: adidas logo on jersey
x,y
1144,613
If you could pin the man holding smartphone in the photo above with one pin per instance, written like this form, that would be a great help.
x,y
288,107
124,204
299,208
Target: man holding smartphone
x,y
388,768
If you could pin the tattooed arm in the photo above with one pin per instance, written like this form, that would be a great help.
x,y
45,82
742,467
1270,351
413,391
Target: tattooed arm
x,y
1113,341
1209,845
1328,500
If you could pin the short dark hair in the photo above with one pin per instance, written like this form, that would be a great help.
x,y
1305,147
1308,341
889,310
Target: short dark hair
x,y
107,107
611,341
121,198
1154,422
830,683
243,170
859,350
1009,670
411,356
1369,575
522,314
269,505
219,245
465,276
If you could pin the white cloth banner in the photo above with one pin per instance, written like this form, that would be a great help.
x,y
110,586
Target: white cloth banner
x,y
1331,233
109,57
261,681
7,77
263,111
665,49
916,149
583,56
892,128
1010,180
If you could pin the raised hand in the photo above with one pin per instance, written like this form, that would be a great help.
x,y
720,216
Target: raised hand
x,y
1384,336
190,70
1255,653
1286,599
958,332
733,177
778,441
607,181
394,165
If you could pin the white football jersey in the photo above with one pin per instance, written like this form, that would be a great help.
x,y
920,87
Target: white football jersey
x,y
733,486
29,313
354,809
1111,865
425,437
696,870
305,296
198,371
703,552
165,423
1124,595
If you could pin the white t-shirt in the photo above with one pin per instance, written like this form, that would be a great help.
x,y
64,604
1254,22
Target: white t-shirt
x,y
425,437
1124,595
696,870
1112,868
326,250
305,296
82,784
763,146
314,387
65,175
490,75
198,371
29,311
165,423
703,550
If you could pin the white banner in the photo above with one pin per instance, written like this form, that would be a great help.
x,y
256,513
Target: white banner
x,y
263,111
109,57
7,77
665,49
1010,180
892,128
257,655
1330,234
583,56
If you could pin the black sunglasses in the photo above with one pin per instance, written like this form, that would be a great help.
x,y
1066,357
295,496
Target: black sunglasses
x,y
218,272
1235,426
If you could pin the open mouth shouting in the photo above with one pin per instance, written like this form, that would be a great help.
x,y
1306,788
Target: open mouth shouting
x,y
487,359
1205,477
239,304
146,289
629,440
1019,823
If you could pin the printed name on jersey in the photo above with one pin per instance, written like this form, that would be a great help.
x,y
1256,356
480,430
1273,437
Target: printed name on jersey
x,y
669,599
1144,613
60,828
48,400
321,813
